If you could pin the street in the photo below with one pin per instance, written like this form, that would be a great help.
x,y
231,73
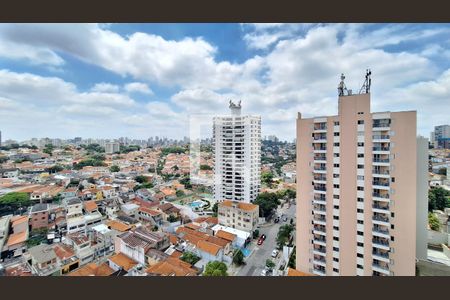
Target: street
x,y
256,262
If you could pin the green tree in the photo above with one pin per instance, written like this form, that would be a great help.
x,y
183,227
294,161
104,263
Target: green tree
x,y
267,203
215,268
205,167
267,177
55,169
291,262
3,159
215,209
179,193
172,219
238,257
16,199
255,233
114,169
186,181
284,235
434,222
438,198
270,264
141,179
190,257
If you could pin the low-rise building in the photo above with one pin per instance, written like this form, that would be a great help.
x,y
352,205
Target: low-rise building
x,y
239,215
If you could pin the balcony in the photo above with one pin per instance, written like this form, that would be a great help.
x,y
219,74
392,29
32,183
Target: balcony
x,y
320,240
380,208
320,158
321,251
380,196
381,218
320,272
380,137
381,184
381,255
381,172
319,149
381,243
380,232
319,219
382,268
319,229
320,169
381,149
381,124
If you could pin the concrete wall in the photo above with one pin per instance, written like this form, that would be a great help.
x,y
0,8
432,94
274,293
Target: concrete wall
x,y
422,198
437,238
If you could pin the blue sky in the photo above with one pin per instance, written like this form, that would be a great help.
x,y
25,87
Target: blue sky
x,y
142,80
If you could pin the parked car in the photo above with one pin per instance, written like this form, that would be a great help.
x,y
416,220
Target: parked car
x,y
263,236
266,272
276,220
260,241
275,253
284,219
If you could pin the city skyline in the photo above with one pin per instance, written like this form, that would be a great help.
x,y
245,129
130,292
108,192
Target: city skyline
x,y
111,80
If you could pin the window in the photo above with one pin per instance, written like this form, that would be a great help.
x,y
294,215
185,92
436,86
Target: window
x,y
335,175
360,113
360,154
336,134
336,186
335,259
360,144
360,188
336,206
360,222
393,179
336,249
360,122
360,199
392,215
392,226
360,244
360,177
336,123
336,217
335,238
360,166
336,196
336,154
336,144
359,266
335,227
392,238
360,255
360,233
359,210
336,165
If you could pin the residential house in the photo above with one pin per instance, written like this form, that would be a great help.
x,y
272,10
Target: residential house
x,y
74,216
93,269
148,215
66,257
82,246
16,243
43,260
167,210
172,267
39,216
130,209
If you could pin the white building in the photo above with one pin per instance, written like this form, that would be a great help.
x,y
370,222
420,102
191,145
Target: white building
x,y
112,147
237,156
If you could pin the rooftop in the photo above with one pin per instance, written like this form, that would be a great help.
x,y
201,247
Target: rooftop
x,y
240,205
123,261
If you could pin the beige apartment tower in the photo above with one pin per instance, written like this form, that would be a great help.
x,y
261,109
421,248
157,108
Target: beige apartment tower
x,y
356,191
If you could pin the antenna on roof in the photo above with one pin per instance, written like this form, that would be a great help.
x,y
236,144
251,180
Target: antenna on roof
x,y
341,86
366,86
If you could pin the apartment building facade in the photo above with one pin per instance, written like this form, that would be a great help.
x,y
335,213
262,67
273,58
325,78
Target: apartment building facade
x,y
441,137
237,156
356,191
239,215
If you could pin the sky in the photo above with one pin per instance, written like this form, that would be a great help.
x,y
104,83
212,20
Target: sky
x,y
143,80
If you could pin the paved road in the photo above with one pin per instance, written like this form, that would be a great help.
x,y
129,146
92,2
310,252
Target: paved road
x,y
257,260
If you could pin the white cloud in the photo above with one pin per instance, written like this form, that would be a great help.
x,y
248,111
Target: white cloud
x,y
138,87
104,87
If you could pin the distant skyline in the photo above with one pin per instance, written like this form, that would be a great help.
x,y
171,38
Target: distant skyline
x,y
142,80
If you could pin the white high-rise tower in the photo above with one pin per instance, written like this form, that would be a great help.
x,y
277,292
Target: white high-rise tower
x,y
237,156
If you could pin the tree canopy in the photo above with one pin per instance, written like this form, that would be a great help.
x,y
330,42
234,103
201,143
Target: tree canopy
x,y
215,268
438,198
190,257
434,222
267,203
15,199
114,169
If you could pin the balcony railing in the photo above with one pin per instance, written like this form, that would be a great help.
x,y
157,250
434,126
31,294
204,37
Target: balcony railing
x,y
380,148
380,230
320,239
320,168
381,254
378,195
384,207
319,188
322,178
319,258
380,266
380,137
380,242
320,228
381,160
320,219
320,148
380,172
320,127
380,218
320,157
378,124
321,249
380,183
